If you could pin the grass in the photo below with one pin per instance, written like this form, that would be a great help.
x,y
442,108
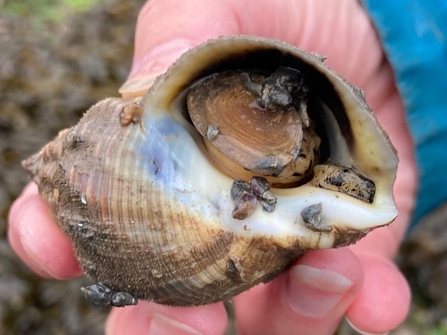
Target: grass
x,y
46,10
441,330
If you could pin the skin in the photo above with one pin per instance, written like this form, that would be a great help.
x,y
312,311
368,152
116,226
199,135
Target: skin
x,y
357,282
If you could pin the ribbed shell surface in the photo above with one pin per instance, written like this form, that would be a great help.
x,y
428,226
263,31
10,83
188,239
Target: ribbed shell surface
x,y
130,232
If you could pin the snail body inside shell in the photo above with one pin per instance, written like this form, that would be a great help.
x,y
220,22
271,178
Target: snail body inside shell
x,y
210,183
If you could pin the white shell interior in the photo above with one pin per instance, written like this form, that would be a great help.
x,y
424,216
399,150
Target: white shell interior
x,y
189,176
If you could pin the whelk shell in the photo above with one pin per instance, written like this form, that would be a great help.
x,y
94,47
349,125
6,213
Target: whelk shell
x,y
149,201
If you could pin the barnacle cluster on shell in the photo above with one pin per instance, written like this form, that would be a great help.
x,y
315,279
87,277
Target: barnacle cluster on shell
x,y
244,155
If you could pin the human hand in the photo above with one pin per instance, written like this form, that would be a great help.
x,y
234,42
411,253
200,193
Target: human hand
x,y
358,281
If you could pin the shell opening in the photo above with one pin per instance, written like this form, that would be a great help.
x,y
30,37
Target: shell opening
x,y
246,137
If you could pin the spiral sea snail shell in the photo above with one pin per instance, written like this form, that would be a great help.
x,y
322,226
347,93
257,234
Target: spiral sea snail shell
x,y
246,153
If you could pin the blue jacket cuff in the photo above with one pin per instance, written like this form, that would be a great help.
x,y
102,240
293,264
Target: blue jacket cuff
x,y
414,33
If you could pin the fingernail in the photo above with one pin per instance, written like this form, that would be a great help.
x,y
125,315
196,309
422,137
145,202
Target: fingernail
x,y
315,292
37,265
28,244
136,87
361,332
162,325
29,234
152,64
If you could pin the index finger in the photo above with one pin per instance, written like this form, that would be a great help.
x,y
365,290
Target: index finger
x,y
37,239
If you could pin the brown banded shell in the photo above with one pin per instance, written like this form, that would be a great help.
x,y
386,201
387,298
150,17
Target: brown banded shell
x,y
143,187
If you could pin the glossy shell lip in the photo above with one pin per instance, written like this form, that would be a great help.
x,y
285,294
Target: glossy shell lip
x,y
150,214
345,107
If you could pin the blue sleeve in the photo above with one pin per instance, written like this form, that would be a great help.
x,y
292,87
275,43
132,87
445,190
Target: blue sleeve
x,y
414,36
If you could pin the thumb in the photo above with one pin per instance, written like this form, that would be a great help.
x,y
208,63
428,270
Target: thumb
x,y
165,30
155,62
339,30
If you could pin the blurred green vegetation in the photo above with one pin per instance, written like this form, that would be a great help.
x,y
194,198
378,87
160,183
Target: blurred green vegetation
x,y
440,330
46,10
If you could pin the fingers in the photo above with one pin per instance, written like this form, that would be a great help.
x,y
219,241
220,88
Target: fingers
x,y
385,241
149,318
311,298
384,301
340,30
38,240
